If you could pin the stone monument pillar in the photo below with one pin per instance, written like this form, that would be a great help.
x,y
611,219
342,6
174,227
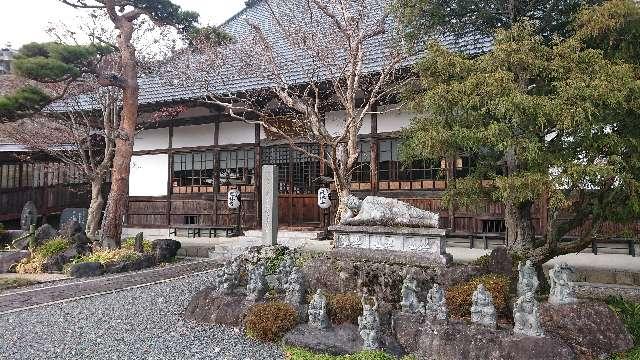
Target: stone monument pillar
x,y
270,204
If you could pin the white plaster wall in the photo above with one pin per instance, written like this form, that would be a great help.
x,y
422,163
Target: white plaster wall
x,y
149,175
152,139
195,135
393,120
334,121
236,132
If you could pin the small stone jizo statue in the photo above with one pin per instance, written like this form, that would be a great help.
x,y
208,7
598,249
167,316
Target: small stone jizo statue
x,y
482,311
410,303
436,307
318,317
295,288
562,291
257,285
369,325
527,278
526,317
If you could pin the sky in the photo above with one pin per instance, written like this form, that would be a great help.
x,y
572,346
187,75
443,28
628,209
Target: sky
x,y
24,21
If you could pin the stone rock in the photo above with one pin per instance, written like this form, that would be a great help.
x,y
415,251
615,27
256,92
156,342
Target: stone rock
x,y
45,233
70,228
165,249
227,278
54,264
10,258
144,262
483,312
410,303
457,340
375,210
282,275
338,340
562,291
138,243
21,242
257,284
209,307
499,262
29,215
407,329
86,269
527,278
590,328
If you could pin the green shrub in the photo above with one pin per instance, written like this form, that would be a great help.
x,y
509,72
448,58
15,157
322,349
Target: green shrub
x,y
302,354
274,262
344,308
109,256
459,296
130,244
34,263
629,312
633,354
270,321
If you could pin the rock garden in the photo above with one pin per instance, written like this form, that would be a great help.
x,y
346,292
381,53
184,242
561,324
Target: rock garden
x,y
367,307
70,251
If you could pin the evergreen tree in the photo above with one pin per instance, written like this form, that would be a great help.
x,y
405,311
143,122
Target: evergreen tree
x,y
556,121
459,18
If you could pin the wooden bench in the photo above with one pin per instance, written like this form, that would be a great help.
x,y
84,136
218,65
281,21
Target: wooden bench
x,y
627,244
204,230
460,237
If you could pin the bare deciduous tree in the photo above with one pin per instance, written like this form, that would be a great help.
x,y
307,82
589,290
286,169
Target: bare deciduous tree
x,y
306,58
84,140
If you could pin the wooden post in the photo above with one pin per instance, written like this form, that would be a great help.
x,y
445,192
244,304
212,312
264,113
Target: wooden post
x,y
216,169
257,174
374,150
170,180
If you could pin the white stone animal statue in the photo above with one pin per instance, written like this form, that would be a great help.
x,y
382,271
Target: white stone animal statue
x,y
381,211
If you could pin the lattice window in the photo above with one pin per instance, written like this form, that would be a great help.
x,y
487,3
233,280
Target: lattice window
x,y
305,169
390,168
279,155
9,176
362,170
193,172
237,167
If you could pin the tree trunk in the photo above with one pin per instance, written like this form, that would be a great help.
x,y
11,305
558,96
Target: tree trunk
x,y
119,194
95,208
343,195
520,231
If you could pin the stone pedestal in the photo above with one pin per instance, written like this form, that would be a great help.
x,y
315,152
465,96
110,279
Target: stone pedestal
x,y
428,243
270,204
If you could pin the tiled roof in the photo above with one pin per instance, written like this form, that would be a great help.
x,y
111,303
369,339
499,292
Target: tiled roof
x,y
169,86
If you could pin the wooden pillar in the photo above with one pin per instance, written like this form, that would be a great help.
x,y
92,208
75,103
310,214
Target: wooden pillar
x,y
258,175
216,168
170,180
373,141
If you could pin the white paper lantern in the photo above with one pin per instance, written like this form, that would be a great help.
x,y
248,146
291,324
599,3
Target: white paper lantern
x,y
324,201
233,199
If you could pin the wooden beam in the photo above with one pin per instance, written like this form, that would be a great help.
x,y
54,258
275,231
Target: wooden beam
x,y
170,179
373,141
216,169
258,174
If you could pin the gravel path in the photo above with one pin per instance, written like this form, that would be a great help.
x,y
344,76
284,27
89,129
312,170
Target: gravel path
x,y
141,323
